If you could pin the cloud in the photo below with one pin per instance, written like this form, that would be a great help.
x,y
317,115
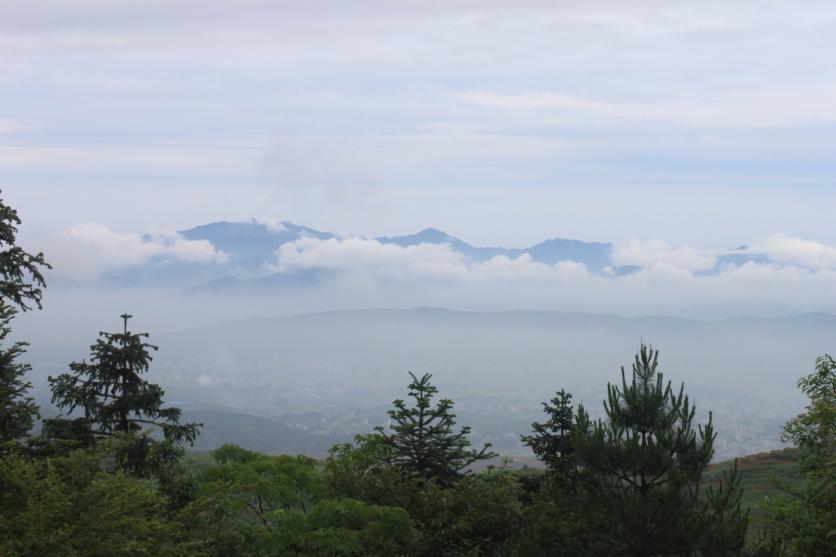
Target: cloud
x,y
753,108
669,277
654,252
84,251
796,251
376,274
414,264
362,255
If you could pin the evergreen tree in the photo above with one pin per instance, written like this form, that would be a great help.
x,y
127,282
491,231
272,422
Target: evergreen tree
x,y
17,410
645,464
424,444
21,281
551,441
115,399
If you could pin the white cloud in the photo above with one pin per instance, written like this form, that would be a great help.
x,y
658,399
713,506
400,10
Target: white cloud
x,y
273,225
119,249
670,277
362,255
753,108
379,274
85,250
654,252
421,262
796,251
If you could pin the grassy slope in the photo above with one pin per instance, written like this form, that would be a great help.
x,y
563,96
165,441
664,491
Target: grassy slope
x,y
758,475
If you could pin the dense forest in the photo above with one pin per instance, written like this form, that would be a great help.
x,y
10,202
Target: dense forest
x,y
111,475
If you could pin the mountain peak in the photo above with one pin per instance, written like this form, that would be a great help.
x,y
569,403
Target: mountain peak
x,y
425,236
435,235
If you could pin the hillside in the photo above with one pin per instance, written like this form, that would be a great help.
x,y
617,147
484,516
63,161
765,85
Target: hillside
x,y
760,476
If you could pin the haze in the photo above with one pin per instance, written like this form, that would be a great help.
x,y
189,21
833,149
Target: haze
x,y
232,174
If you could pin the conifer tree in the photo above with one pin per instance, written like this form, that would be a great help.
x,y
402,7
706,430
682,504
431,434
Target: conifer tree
x,y
645,464
21,283
423,443
552,441
115,399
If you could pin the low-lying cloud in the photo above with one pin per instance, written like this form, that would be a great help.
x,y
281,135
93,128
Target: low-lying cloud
x,y
668,276
647,254
796,251
85,251
788,271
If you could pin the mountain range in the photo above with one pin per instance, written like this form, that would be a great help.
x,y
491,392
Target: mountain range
x,y
250,255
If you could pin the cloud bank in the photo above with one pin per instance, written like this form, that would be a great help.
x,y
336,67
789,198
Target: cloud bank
x,y
780,270
84,252
799,272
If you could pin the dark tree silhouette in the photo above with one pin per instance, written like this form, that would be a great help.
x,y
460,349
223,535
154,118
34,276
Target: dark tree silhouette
x,y
114,397
551,441
21,283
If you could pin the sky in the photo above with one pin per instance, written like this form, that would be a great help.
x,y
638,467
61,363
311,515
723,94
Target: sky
x,y
704,124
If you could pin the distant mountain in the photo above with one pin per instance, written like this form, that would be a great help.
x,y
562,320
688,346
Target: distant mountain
x,y
251,244
251,248
596,256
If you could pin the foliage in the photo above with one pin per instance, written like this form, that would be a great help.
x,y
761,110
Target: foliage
x,y
69,507
476,515
725,520
21,283
116,400
551,442
815,429
803,522
254,504
17,410
21,273
645,465
423,443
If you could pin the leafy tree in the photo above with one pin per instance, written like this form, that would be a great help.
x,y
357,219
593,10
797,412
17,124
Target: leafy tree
x,y
21,283
476,515
423,443
803,523
551,441
255,504
66,506
345,527
116,400
815,429
645,464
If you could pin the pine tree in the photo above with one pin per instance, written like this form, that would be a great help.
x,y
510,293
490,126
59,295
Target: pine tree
x,y
424,444
21,283
552,441
114,398
645,464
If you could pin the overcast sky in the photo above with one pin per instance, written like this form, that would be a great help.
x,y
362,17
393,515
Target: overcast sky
x,y
708,124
